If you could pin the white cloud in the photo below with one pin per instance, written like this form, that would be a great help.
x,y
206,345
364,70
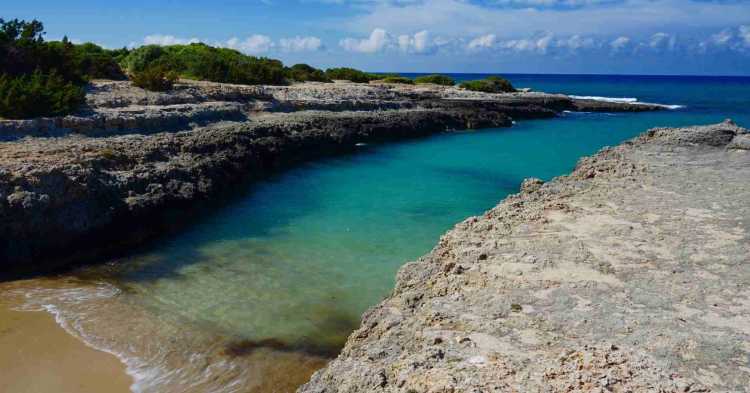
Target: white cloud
x,y
619,43
577,42
618,18
661,42
378,40
301,44
163,40
733,39
419,43
482,42
254,44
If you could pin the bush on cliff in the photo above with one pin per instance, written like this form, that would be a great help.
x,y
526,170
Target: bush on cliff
x,y
306,73
492,84
397,80
203,62
155,78
23,51
435,79
38,94
350,74
46,78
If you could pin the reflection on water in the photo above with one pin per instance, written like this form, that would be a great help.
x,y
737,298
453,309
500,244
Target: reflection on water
x,y
262,293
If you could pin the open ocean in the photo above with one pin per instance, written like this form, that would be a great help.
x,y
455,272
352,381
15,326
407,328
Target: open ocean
x,y
291,264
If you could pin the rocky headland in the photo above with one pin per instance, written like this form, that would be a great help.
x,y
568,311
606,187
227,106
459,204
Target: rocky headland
x,y
132,164
629,275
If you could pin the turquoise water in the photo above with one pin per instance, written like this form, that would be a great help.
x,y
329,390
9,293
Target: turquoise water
x,y
302,255
298,257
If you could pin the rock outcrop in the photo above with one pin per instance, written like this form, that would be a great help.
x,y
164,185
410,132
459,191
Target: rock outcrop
x,y
630,275
134,163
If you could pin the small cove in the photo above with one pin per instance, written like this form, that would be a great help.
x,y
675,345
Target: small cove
x,y
265,290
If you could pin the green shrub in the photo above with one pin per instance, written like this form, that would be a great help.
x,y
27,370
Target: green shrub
x,y
155,78
492,84
306,73
23,51
96,62
435,79
397,80
38,94
41,78
203,62
350,74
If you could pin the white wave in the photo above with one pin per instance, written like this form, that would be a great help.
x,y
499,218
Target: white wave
x,y
628,100
625,100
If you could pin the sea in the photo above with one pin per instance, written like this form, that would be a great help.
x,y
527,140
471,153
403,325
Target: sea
x,y
265,290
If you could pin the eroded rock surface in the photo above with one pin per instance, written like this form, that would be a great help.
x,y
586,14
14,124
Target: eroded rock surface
x,y
630,275
134,163
118,107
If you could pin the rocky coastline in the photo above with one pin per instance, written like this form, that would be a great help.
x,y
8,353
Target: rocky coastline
x,y
134,164
628,275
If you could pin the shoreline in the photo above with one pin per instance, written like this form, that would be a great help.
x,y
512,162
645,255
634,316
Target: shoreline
x,y
33,340
130,170
563,287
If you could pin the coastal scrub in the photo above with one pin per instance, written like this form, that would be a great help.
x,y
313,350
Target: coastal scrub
x,y
397,80
351,74
39,78
492,84
203,62
435,79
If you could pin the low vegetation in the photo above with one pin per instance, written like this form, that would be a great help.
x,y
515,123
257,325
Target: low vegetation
x,y
155,78
351,74
398,80
39,78
492,84
306,73
37,95
203,62
435,79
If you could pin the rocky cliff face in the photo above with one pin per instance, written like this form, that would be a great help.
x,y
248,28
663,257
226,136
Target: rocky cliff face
x,y
134,163
629,275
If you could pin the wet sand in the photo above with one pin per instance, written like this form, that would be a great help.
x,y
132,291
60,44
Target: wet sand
x,y
39,356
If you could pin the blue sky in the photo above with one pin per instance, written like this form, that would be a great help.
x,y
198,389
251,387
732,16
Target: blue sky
x,y
545,36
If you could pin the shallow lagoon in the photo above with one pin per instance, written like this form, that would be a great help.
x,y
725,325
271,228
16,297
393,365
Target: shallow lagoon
x,y
266,288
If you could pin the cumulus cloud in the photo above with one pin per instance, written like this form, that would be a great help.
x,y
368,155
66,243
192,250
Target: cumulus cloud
x,y
620,43
163,40
541,43
419,43
661,42
300,44
254,44
378,40
613,19
482,42
732,39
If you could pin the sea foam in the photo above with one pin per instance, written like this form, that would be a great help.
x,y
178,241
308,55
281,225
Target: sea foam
x,y
625,100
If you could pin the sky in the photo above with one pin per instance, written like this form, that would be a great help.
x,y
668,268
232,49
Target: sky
x,y
657,37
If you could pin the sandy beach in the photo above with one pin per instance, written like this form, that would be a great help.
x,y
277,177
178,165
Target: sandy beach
x,y
37,355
